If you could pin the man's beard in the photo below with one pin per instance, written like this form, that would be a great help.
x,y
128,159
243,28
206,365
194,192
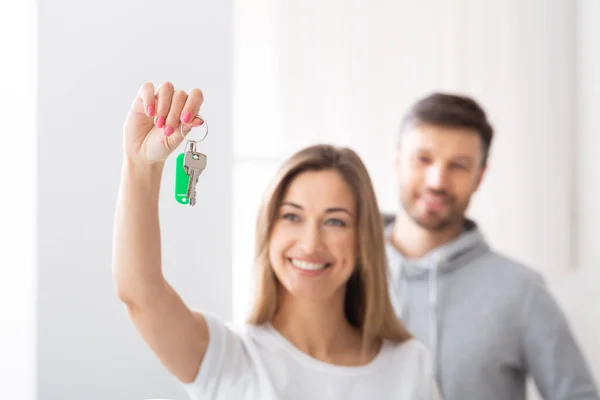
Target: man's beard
x,y
433,221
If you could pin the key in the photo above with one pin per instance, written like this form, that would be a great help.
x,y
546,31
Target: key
x,y
194,163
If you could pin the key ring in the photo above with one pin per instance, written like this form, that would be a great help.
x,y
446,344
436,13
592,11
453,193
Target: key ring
x,y
194,142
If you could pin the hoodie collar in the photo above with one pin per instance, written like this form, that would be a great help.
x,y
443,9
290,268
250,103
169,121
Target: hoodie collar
x,y
470,244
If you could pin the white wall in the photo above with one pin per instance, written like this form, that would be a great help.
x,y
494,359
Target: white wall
x,y
93,56
18,200
578,289
576,285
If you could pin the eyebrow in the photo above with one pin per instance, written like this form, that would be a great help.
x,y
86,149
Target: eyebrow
x,y
462,157
329,210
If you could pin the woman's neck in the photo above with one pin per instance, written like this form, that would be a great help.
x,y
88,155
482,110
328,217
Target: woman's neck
x,y
320,329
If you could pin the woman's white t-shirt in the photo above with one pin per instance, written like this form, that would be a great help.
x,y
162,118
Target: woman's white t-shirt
x,y
257,362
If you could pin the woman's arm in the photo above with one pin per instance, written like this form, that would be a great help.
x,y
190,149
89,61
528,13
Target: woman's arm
x,y
178,336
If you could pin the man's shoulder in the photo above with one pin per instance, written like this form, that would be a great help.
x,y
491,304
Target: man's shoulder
x,y
513,269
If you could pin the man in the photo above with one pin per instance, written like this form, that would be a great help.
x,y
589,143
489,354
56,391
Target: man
x,y
489,321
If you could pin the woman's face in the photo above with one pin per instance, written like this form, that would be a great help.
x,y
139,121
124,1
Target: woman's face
x,y
313,242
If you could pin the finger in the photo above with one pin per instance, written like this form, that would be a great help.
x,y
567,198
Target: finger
x,y
189,116
164,96
177,103
146,95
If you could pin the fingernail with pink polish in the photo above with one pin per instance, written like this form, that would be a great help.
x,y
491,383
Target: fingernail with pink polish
x,y
150,111
169,130
160,122
197,124
186,117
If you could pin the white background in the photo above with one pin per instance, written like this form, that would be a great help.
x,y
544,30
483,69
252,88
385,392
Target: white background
x,y
271,85
91,59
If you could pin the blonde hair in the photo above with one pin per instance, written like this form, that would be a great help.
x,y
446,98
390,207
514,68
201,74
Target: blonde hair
x,y
367,304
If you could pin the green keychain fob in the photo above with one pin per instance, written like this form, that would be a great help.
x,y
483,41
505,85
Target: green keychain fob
x,y
182,180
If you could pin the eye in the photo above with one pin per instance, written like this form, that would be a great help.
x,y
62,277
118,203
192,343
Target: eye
x,y
335,222
290,217
458,166
423,160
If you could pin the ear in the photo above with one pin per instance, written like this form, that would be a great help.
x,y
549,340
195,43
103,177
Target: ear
x,y
480,178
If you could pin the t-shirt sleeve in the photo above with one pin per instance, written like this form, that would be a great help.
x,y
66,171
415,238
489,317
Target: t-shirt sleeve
x,y
421,370
225,367
428,387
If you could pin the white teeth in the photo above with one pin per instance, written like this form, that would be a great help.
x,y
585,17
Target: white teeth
x,y
307,266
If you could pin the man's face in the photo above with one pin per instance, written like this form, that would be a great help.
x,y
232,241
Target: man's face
x,y
438,169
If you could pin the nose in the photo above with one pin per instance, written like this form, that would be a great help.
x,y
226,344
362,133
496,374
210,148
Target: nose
x,y
436,177
311,240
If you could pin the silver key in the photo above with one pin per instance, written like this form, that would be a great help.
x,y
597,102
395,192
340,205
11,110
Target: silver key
x,y
194,163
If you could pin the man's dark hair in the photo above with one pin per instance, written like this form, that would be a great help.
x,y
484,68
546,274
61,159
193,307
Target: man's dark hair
x,y
453,111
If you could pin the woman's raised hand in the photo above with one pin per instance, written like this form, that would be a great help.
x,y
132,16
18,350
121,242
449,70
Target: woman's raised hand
x,y
152,128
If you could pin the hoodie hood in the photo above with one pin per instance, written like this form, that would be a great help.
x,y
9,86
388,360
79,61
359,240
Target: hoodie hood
x,y
469,245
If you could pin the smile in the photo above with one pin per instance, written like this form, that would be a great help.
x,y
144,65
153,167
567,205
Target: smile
x,y
308,266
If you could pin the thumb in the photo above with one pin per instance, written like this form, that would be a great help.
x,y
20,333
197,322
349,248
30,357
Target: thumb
x,y
184,130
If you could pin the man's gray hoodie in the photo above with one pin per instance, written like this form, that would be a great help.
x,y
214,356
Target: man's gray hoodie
x,y
488,321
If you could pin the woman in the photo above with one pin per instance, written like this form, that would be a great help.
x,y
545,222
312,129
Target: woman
x,y
322,325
